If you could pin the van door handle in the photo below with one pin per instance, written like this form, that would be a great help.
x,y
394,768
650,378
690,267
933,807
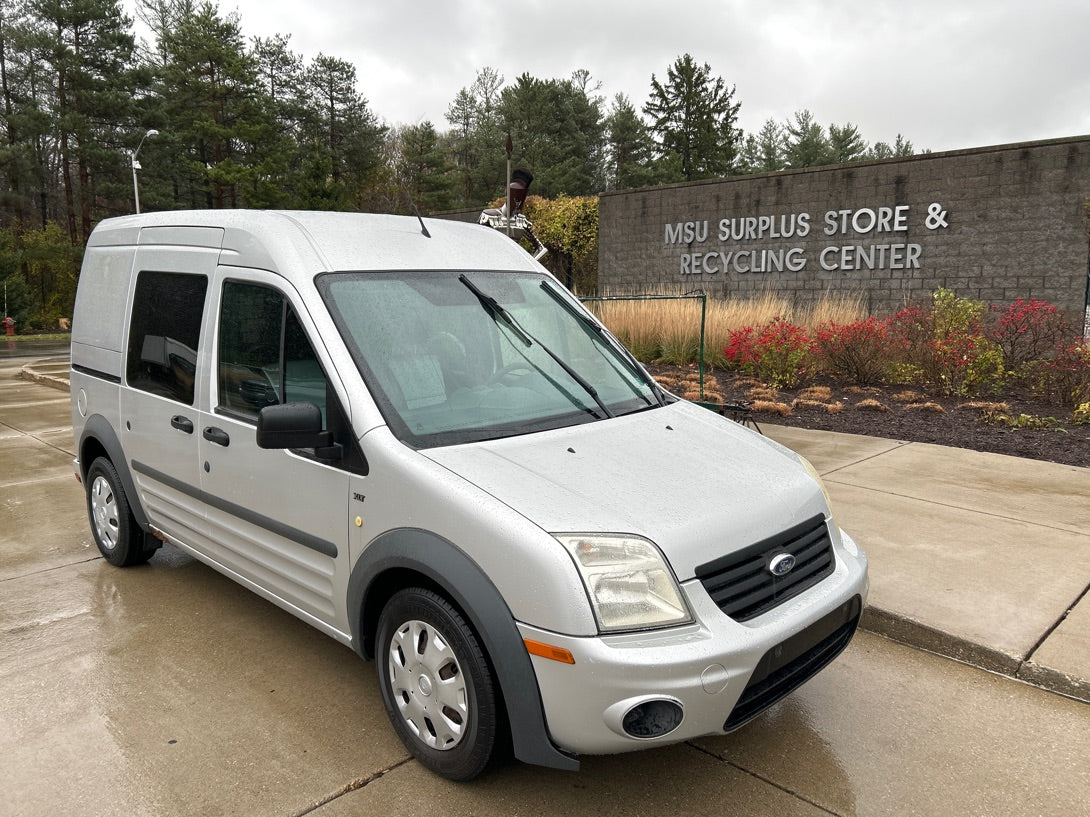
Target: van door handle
x,y
182,423
217,436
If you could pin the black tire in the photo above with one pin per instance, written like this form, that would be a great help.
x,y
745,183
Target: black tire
x,y
436,684
117,534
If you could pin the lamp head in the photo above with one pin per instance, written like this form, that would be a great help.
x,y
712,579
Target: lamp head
x,y
519,188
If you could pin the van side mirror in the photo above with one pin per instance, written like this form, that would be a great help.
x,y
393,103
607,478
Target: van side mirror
x,y
295,425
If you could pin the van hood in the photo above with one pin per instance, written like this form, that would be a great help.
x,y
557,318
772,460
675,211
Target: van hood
x,y
697,485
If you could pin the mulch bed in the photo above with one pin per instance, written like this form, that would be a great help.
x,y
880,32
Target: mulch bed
x,y
909,414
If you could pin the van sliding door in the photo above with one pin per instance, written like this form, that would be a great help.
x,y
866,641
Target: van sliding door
x,y
163,373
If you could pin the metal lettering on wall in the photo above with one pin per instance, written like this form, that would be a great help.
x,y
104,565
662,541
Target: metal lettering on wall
x,y
732,235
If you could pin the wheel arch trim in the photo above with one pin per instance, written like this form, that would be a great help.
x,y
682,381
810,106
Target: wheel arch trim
x,y
98,429
454,573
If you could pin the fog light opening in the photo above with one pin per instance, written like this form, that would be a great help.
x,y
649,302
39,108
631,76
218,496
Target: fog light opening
x,y
652,719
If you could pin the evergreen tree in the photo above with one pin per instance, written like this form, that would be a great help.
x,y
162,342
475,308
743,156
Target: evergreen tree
x,y
588,119
89,51
694,118
556,130
462,116
283,168
219,124
805,144
280,78
25,155
763,153
476,140
423,171
630,148
903,147
340,123
162,17
880,150
846,144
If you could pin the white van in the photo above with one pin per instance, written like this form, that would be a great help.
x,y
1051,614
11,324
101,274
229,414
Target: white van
x,y
419,442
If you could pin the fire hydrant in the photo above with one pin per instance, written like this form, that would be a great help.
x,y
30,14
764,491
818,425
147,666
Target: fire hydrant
x,y
9,325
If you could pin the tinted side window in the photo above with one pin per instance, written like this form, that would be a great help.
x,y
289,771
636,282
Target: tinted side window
x,y
264,356
163,333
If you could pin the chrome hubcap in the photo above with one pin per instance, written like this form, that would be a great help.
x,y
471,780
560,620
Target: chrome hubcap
x,y
428,687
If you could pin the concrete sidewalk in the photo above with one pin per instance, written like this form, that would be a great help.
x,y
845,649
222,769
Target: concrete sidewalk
x,y
980,557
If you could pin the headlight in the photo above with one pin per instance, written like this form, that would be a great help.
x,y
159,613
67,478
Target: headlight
x,y
629,585
812,471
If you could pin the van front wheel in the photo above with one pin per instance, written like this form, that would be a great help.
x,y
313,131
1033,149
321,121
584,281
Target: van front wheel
x,y
436,684
118,536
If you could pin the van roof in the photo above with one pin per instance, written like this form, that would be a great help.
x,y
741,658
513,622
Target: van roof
x,y
304,243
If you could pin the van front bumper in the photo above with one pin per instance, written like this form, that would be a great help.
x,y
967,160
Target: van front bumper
x,y
705,678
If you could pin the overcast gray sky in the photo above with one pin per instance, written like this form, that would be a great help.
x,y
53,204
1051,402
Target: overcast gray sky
x,y
947,74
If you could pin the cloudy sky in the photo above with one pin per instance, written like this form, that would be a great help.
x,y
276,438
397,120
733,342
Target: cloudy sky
x,y
947,74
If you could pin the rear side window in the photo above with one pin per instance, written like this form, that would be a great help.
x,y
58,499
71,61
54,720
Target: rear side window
x,y
163,334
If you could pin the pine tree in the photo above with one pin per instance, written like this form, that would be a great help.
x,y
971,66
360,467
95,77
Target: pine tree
x,y
340,123
763,153
903,147
693,117
846,144
89,50
556,130
805,143
25,171
630,147
424,173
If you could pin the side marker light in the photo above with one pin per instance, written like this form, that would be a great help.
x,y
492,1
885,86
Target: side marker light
x,y
548,651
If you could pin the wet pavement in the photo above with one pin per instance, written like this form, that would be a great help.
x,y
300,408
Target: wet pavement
x,y
23,347
169,690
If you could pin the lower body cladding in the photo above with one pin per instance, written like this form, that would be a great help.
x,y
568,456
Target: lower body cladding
x,y
634,691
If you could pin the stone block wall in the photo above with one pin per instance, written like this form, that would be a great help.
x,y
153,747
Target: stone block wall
x,y
991,224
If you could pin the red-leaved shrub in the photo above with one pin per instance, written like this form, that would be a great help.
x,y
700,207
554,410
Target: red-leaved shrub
x,y
860,351
779,353
1027,330
1068,373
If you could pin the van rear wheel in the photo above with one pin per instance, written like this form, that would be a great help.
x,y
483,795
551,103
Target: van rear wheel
x,y
116,532
436,684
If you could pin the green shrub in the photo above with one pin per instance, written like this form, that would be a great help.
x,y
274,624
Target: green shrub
x,y
946,347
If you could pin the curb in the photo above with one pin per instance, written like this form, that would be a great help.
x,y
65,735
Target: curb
x,y
53,381
920,636
1054,681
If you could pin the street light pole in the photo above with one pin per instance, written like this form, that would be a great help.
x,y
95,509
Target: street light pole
x,y
136,166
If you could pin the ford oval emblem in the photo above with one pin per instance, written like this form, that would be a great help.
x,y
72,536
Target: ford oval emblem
x,y
781,564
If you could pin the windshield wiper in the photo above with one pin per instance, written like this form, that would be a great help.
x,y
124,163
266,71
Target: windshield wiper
x,y
626,356
497,310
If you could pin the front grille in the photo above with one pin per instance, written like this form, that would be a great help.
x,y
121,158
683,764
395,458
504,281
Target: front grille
x,y
742,585
787,666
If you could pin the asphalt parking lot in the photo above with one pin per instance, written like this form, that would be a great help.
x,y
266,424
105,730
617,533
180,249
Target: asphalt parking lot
x,y
169,690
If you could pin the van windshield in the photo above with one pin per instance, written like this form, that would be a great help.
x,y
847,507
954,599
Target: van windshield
x,y
459,357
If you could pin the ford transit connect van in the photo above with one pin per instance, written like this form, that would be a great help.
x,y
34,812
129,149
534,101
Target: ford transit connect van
x,y
417,441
